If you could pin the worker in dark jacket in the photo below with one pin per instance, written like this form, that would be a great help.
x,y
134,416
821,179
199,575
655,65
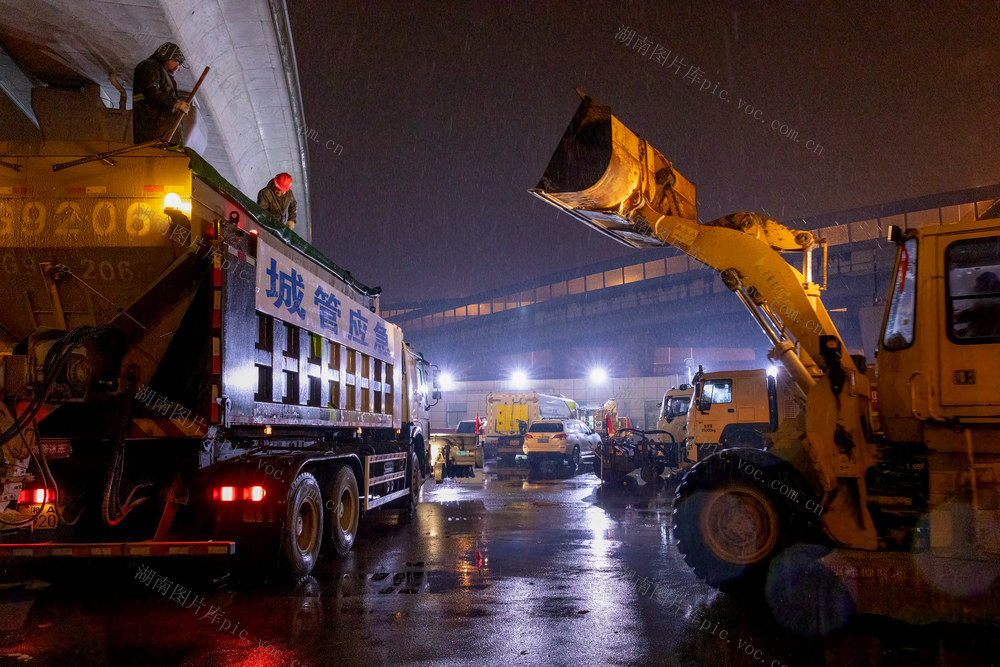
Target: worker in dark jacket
x,y
277,199
154,94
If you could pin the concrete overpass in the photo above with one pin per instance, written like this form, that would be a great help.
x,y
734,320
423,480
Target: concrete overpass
x,y
657,312
61,55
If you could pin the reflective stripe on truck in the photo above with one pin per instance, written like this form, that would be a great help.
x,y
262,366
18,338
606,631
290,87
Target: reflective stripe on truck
x,y
116,549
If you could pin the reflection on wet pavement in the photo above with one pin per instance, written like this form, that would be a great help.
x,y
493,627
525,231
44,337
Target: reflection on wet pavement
x,y
506,567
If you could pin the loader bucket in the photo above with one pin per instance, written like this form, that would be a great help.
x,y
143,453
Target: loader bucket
x,y
600,165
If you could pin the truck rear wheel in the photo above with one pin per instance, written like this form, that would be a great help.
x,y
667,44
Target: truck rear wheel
x,y
413,499
302,534
344,509
728,527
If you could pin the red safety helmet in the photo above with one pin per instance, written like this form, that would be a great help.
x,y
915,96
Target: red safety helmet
x,y
283,182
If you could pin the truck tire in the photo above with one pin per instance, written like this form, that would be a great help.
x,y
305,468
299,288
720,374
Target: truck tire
x,y
302,534
729,525
413,499
344,511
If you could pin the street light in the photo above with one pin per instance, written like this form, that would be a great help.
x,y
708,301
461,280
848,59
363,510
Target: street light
x,y
598,375
446,380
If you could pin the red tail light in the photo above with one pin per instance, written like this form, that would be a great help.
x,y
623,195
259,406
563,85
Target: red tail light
x,y
228,494
528,436
559,436
36,496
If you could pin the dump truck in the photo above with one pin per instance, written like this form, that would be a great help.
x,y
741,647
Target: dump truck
x,y
508,416
832,510
738,409
185,376
674,414
457,454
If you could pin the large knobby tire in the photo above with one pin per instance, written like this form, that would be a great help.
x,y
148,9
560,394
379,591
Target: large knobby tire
x,y
302,534
728,526
344,511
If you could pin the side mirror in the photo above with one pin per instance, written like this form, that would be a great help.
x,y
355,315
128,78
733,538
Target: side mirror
x,y
436,394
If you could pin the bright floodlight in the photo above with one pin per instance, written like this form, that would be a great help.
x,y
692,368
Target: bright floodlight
x,y
598,375
772,370
519,379
447,381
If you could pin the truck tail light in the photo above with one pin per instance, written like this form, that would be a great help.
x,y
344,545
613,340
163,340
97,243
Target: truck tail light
x,y
228,494
36,496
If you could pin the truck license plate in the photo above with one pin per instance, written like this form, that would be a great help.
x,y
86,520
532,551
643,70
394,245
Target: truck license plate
x,y
45,516
543,440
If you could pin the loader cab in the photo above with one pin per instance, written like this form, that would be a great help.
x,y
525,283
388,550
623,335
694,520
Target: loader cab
x,y
940,342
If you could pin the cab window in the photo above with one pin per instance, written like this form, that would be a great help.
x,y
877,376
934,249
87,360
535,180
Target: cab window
x,y
973,290
675,407
719,391
899,325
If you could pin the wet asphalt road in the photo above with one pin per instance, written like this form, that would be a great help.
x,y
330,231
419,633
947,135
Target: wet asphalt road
x,y
500,569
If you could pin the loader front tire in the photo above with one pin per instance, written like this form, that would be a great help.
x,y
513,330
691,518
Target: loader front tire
x,y
729,525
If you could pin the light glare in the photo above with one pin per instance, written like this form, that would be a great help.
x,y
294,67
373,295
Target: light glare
x,y
519,379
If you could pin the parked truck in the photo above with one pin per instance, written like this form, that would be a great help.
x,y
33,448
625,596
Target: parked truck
x,y
508,416
738,409
457,454
186,376
917,505
674,415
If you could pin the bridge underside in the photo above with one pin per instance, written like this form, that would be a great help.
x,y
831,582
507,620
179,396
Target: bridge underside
x,y
63,58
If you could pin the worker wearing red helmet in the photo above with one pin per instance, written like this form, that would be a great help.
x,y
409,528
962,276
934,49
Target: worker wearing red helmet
x,y
277,199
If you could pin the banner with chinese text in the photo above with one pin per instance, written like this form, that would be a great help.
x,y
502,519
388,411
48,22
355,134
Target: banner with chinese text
x,y
289,292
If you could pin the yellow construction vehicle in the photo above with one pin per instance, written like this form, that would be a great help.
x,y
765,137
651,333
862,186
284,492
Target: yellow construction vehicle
x,y
916,505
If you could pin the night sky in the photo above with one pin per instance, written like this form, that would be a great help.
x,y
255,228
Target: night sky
x,y
446,113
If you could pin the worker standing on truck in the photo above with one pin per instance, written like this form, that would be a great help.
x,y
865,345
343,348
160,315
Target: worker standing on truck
x,y
277,199
154,94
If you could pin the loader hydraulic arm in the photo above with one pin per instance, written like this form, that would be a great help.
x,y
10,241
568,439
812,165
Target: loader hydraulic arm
x,y
612,180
